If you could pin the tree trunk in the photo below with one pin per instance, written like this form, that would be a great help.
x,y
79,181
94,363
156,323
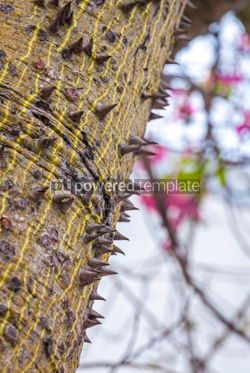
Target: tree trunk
x,y
63,67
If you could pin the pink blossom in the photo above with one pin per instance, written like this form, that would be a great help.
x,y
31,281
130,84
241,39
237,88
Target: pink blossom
x,y
166,246
149,202
228,80
245,42
245,125
160,154
242,128
185,110
177,92
180,207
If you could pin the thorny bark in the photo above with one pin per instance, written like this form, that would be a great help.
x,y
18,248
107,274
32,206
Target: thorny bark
x,y
44,306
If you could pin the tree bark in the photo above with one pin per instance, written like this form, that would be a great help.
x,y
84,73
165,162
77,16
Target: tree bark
x,y
53,127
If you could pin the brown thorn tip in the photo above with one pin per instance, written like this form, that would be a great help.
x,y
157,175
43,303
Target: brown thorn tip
x,y
95,315
154,116
103,110
87,238
96,296
171,61
126,149
64,202
77,47
89,323
117,250
87,277
107,229
76,116
136,140
144,153
96,263
86,339
108,272
37,193
119,237
100,250
47,92
102,241
123,219
100,60
159,104
91,228
154,96
128,206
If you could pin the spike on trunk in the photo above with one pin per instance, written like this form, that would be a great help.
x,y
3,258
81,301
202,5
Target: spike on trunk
x,y
96,296
103,110
87,277
47,92
76,116
77,47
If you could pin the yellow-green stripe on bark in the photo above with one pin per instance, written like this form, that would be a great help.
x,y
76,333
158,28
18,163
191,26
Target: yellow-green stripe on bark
x,y
45,79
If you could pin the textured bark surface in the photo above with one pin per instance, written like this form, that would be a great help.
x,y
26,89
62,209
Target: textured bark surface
x,y
42,305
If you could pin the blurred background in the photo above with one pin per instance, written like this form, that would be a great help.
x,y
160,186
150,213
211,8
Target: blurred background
x,y
181,302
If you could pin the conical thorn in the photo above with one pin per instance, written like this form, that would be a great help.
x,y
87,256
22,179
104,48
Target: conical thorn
x,y
47,92
64,202
136,140
76,116
107,272
96,263
87,277
103,110
95,315
96,296
77,47
86,339
119,237
128,206
37,193
89,323
91,228
117,250
100,60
